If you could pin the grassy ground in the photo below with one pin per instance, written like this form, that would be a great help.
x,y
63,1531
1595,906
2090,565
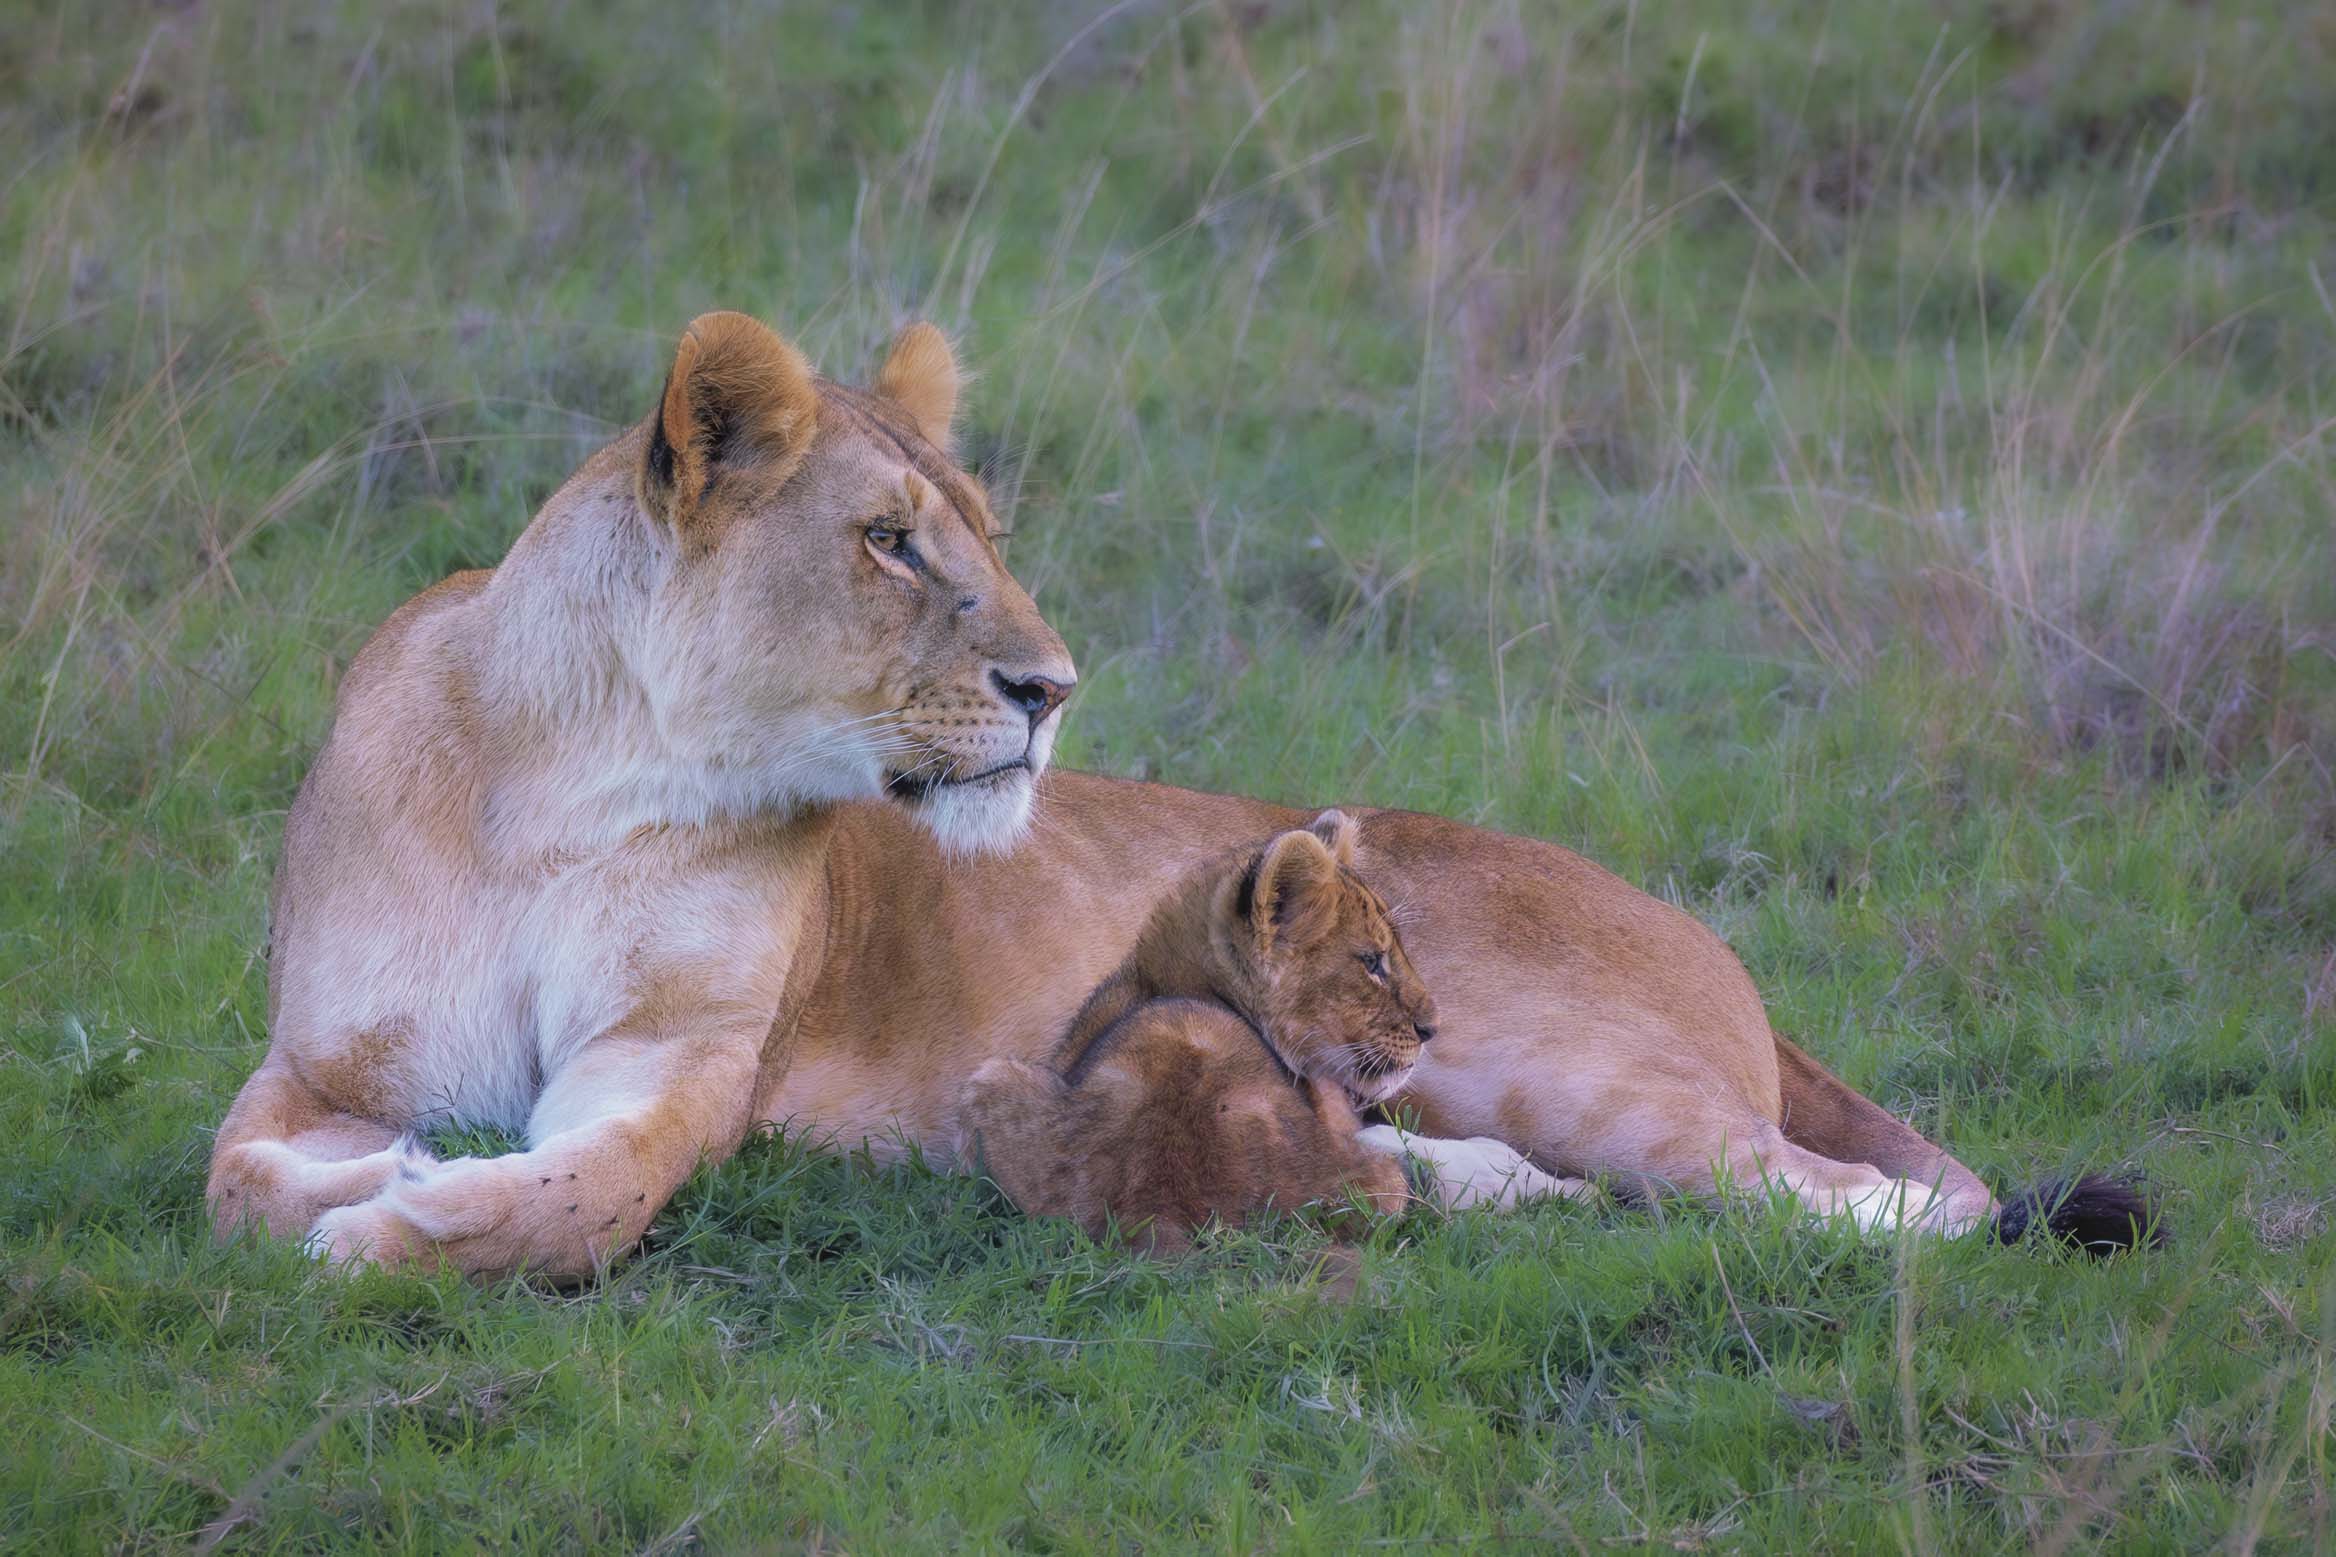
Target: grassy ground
x,y
1864,472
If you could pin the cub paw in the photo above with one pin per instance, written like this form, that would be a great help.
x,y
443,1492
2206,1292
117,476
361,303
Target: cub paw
x,y
1003,1097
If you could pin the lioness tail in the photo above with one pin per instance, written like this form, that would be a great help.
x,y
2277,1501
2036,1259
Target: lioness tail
x,y
2098,1215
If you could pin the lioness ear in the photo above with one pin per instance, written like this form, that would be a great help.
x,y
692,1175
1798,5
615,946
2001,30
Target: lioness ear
x,y
920,376
1339,833
737,392
1294,878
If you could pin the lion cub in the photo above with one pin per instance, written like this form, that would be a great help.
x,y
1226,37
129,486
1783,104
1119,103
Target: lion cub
x,y
1224,1067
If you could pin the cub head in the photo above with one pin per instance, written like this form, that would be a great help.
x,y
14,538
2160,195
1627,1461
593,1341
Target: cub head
x,y
832,618
1336,993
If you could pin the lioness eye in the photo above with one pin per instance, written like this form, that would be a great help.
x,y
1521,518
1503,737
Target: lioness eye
x,y
892,540
1374,964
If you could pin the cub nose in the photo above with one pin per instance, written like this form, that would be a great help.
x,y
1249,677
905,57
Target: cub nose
x,y
1425,1030
1036,696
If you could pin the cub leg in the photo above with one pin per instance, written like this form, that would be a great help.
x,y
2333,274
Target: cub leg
x,y
1476,1172
1010,1127
286,1155
613,1135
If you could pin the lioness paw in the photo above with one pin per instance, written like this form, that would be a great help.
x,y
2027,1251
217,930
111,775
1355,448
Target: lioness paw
x,y
369,1233
1479,1171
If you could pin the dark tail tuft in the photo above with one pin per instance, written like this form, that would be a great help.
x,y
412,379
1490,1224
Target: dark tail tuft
x,y
2098,1215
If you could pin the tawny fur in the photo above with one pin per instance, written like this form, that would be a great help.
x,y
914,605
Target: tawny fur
x,y
556,865
578,857
1217,1072
1588,1025
921,377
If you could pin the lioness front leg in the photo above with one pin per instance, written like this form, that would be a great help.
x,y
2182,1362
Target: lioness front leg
x,y
612,1137
286,1154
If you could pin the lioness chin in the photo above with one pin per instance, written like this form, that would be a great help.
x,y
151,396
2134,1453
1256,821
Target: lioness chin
x,y
560,865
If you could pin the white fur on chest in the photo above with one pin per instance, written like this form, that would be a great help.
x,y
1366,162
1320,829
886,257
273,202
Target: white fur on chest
x,y
509,975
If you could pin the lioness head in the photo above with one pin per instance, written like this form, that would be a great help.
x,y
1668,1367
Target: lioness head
x,y
1337,995
832,619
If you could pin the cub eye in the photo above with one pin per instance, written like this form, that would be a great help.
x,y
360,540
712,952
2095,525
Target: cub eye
x,y
1374,963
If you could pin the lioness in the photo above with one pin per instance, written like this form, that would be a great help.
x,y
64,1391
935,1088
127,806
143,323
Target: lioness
x,y
580,857
560,865
1222,1068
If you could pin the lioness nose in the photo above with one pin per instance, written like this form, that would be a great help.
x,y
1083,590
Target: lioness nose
x,y
1036,696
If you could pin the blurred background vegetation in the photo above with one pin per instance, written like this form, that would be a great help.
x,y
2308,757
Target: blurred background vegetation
x,y
1863,471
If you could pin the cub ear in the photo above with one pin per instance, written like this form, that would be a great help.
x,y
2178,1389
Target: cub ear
x,y
920,376
1295,877
737,392
1339,832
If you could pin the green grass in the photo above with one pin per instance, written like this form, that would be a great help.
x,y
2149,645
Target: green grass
x,y
1862,472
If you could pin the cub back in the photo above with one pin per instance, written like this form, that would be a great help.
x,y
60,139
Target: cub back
x,y
1185,1119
